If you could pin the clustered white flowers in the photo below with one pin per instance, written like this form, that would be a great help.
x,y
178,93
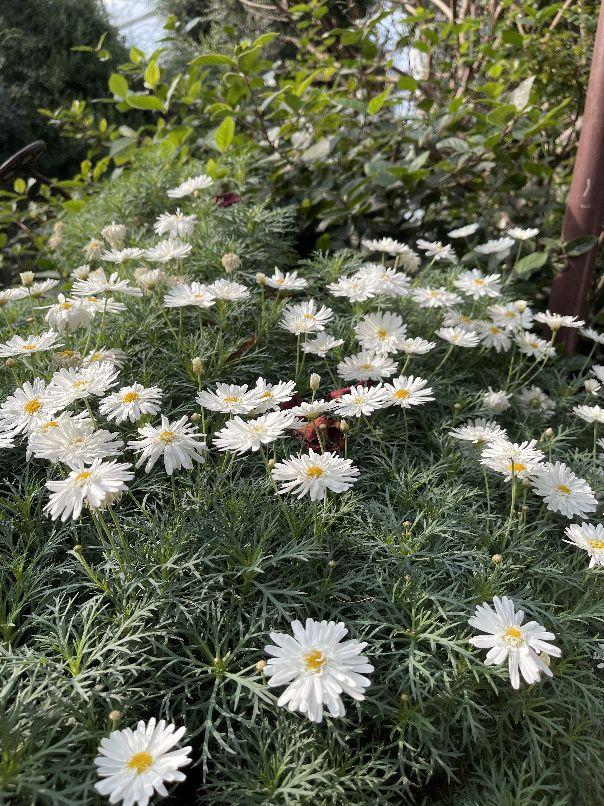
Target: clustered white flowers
x,y
59,411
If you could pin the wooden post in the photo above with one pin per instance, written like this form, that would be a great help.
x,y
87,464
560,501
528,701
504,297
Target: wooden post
x,y
585,203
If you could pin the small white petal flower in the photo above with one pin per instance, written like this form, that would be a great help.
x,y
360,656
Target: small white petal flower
x,y
494,247
479,432
511,315
314,474
557,320
131,403
177,442
463,232
230,399
407,392
175,225
381,332
512,459
519,234
493,336
241,436
306,317
507,638
69,314
366,366
321,344
229,290
534,400
271,395
86,485
563,491
317,667
590,414
361,400
190,187
133,765
167,250
417,346
497,401
288,281
387,245
459,337
532,345
590,538
99,283
30,345
37,290
122,255
27,408
437,250
476,284
114,356
73,440
592,335
186,294
69,385
310,410
435,297
356,289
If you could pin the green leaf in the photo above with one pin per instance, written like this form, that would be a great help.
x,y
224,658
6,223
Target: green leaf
x,y
19,185
152,75
264,40
502,114
118,85
224,134
579,246
209,59
376,103
150,102
407,83
529,263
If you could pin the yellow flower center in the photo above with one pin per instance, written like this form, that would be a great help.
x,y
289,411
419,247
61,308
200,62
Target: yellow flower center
x,y
65,306
382,334
80,384
198,296
516,467
141,762
358,400
167,437
308,316
596,544
509,314
314,660
32,406
96,357
563,488
513,637
494,330
266,395
130,397
533,344
365,366
280,281
401,394
315,472
29,346
478,281
231,399
66,354
50,424
81,477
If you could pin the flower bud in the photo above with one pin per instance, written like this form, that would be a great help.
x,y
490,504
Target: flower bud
x,y
457,407
271,463
10,362
496,559
81,272
195,417
260,665
114,716
331,564
344,427
545,658
407,524
548,433
114,234
77,548
315,381
231,262
591,386
261,278
197,366
322,426
27,277
404,697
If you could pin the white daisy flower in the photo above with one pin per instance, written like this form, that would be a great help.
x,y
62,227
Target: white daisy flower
x,y
133,765
69,384
86,485
103,305
114,234
463,232
305,317
437,250
185,294
93,249
39,289
310,410
69,314
99,283
590,414
593,335
175,225
27,408
381,332
167,250
387,245
476,284
459,337
288,281
151,279
229,290
557,320
321,344
407,391
496,400
534,399
479,432
519,234
435,297
317,668
190,187
388,281
590,538
30,345
361,400
511,315
493,336
356,289
417,346
131,403
114,356
532,345
74,441
598,371
12,294
241,436
271,395
122,255
80,272
366,366
513,460
230,399
563,491
507,638
495,246
592,386
177,442
455,318
314,474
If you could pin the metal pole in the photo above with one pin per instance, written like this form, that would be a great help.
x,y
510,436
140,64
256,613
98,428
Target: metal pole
x,y
585,203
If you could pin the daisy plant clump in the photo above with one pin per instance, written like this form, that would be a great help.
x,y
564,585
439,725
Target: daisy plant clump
x,y
290,505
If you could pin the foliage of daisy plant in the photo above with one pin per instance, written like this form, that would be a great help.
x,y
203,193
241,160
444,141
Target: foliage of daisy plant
x,y
293,531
